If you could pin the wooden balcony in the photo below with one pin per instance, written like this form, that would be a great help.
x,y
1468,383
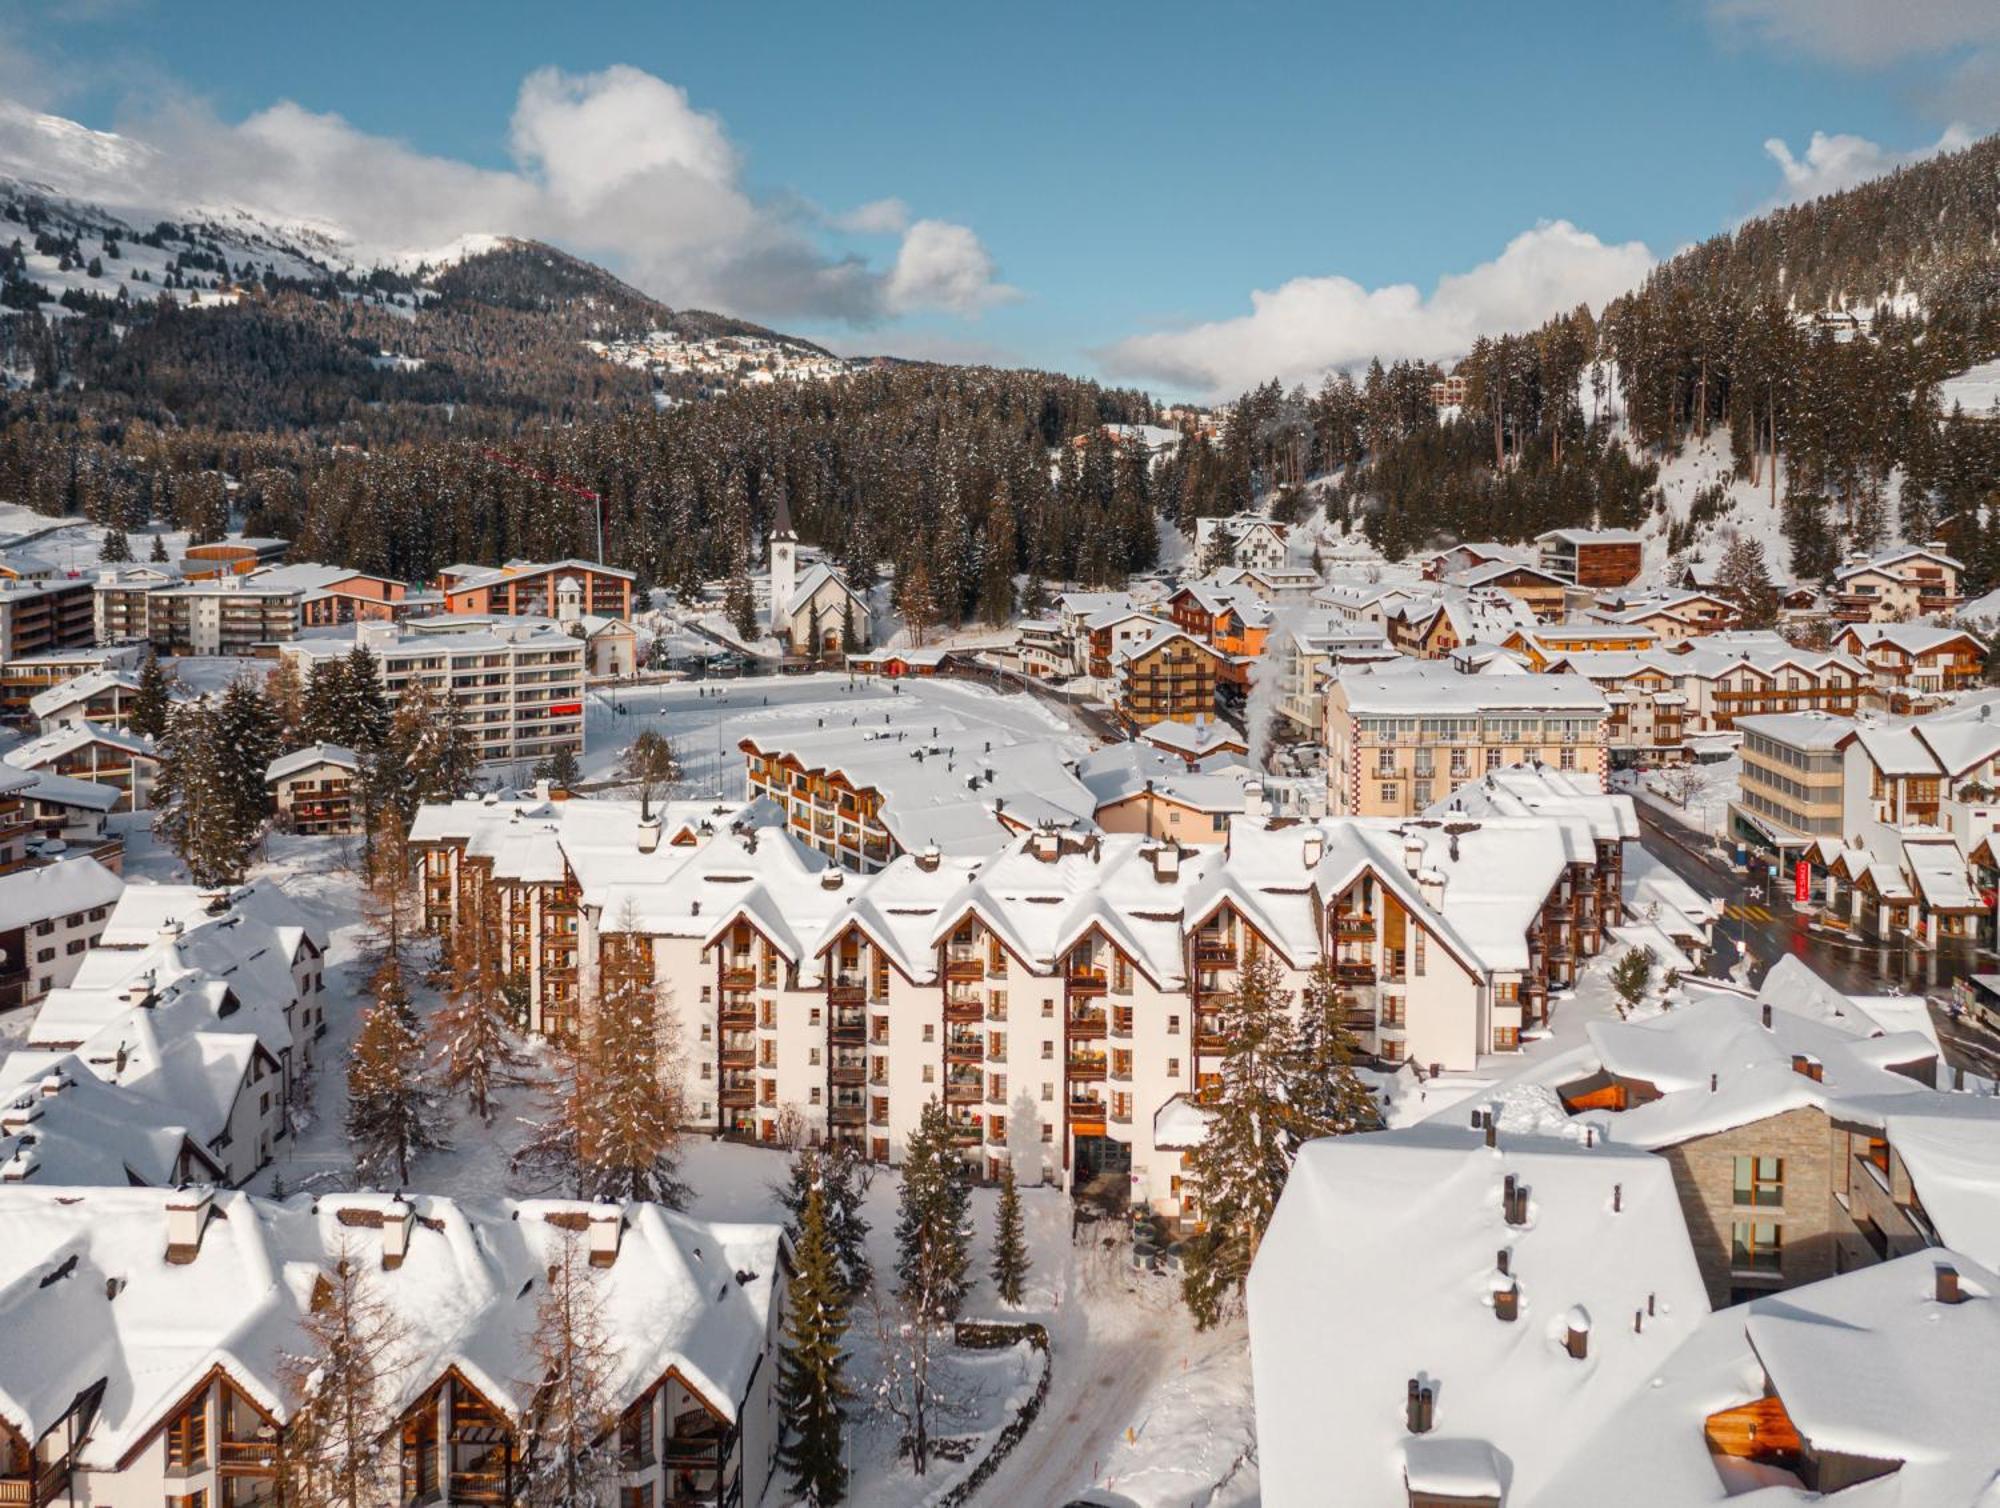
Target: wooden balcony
x,y
965,1091
1086,1113
739,1057
1353,928
739,977
964,1134
959,970
1215,955
1087,1021
1087,1065
1087,982
736,1017
850,1024
250,1457
849,1074
973,1009
1354,971
968,1047
847,1115
848,994
1210,1043
738,1098
35,1491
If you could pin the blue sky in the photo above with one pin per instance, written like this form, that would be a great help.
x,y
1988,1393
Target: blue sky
x,y
1100,188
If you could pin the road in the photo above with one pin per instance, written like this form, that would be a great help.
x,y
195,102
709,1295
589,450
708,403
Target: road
x,y
1759,918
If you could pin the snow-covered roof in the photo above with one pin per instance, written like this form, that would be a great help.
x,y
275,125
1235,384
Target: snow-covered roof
x,y
1894,558
1420,686
1381,1266
59,889
88,1297
67,739
1537,790
1196,740
1869,1363
1592,537
312,756
1123,771
79,689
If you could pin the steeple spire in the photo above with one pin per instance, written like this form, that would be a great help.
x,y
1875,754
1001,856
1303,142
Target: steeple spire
x,y
781,526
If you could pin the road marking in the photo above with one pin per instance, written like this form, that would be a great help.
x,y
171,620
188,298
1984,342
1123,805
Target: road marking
x,y
1747,913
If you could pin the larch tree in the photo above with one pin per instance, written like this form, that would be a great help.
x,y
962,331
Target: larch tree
x,y
285,692
1236,1173
933,1225
392,905
650,767
1010,1246
812,1393
574,1459
394,1111
472,1034
339,1448
628,1143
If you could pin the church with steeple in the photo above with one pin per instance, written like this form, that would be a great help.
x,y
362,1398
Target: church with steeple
x,y
817,616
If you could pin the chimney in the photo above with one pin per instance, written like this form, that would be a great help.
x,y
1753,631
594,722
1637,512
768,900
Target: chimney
x,y
1511,1201
607,1225
170,930
1766,1013
1314,847
1617,1198
649,834
1714,1082
541,790
187,1217
1430,886
1492,1130
20,1115
1507,1303
399,1219
929,859
1419,1407
832,877
1576,1333
1045,845
1948,1291
1413,854
1167,863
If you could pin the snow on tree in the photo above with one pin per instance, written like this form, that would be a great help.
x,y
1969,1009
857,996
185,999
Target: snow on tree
x,y
628,1142
1324,1096
1234,1176
560,769
116,549
339,1448
573,1459
1010,1247
394,1111
153,702
1745,582
933,1221
428,755
198,806
246,732
812,1392
838,1174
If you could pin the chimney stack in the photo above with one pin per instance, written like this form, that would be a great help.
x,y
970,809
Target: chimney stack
x,y
1507,1303
187,1217
1766,1013
1948,1291
929,859
1492,1130
649,834
1419,1407
399,1219
1314,848
1617,1198
1576,1334
607,1226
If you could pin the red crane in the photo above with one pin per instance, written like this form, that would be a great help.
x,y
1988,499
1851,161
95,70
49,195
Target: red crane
x,y
561,484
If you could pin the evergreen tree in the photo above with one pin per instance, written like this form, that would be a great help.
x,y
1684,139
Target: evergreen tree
x,y
152,703
834,1171
811,1393
1001,549
561,769
285,694
1010,1247
1324,1096
159,552
933,1228
1745,583
573,1462
246,734
338,1449
394,1112
1235,1175
116,549
367,704
428,756
198,810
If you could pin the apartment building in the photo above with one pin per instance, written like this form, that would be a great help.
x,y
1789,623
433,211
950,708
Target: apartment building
x,y
864,795
99,695
1592,557
1543,644
1060,997
50,916
1244,540
26,678
1400,736
125,762
1170,676
1914,659
1673,616
1914,582
1794,779
517,684
313,790
225,613
176,1332
1310,648
41,616
1233,621
1539,591
1436,627
533,589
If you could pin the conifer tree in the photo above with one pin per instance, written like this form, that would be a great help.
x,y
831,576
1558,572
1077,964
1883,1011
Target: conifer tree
x,y
338,1449
574,1461
152,703
246,734
366,704
427,756
394,1112
560,769
649,764
392,907
1235,1175
1324,1096
473,1033
1010,1247
159,552
996,586
1744,581
835,1170
933,1230
116,549
812,1395
198,810
285,694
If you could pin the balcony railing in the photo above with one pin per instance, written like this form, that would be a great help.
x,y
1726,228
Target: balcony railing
x,y
247,1455
1087,1110
1087,1065
1087,982
1353,928
970,1008
1215,955
962,968
739,977
1087,1021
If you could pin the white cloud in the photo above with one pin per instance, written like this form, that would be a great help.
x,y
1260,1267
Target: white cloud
x,y
1312,325
1961,35
618,166
942,266
1839,161
878,217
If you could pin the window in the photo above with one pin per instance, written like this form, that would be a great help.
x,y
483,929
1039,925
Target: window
x,y
1417,953
1760,1182
930,1032
1567,759
1173,1068
1506,1038
930,1073
1048,1092
1757,1246
812,1057
1048,1008
812,1016
1048,1132
1173,1026
1492,759
187,1438
706,1069
1420,793
815,1095
1048,1049
1388,793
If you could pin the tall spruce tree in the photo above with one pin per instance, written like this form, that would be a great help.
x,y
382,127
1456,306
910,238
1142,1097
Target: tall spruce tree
x,y
1010,1246
1745,582
246,734
834,1170
198,805
812,1395
153,702
1324,1096
933,1227
1237,1172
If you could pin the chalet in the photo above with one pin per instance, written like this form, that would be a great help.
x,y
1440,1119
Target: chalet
x,y
1915,582
28,676
1140,789
1274,584
1463,557
1915,658
126,762
1169,676
1242,540
1193,743
1592,558
1540,591
1674,616
102,697
313,790
526,588
1233,621
50,916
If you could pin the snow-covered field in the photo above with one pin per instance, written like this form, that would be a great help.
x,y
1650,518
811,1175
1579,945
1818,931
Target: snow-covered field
x,y
1696,796
704,721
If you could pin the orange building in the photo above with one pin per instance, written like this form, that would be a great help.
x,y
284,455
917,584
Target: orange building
x,y
536,589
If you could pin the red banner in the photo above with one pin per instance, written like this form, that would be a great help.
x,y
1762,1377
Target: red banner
x,y
1801,882
565,709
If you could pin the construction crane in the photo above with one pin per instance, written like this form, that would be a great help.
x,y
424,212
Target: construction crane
x,y
561,484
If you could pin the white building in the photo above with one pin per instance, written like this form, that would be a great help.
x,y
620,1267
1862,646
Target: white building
x,y
817,615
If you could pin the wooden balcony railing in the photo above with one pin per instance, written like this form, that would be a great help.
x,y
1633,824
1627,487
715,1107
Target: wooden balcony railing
x,y
965,968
